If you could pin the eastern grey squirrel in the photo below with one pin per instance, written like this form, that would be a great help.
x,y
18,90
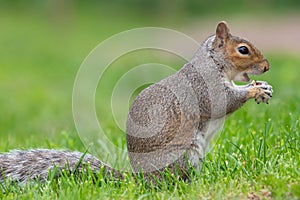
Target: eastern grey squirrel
x,y
170,123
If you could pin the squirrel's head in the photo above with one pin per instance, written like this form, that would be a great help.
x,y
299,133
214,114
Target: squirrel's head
x,y
244,57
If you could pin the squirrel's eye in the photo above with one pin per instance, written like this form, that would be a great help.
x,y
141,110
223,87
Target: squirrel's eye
x,y
243,50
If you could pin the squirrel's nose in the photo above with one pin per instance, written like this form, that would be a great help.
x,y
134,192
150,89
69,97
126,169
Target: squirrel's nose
x,y
267,67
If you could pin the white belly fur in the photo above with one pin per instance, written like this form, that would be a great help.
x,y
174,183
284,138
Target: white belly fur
x,y
202,139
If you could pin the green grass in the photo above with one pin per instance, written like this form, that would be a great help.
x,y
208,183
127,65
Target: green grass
x,y
257,152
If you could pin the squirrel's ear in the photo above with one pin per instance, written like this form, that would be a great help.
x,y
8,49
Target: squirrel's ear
x,y
222,33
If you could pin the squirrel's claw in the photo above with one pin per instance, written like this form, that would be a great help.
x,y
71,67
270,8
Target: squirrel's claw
x,y
266,91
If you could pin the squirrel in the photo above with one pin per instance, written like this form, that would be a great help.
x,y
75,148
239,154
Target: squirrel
x,y
171,122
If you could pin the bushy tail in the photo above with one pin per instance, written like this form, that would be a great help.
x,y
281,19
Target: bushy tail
x,y
21,166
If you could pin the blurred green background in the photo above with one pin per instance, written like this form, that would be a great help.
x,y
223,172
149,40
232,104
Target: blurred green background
x,y
43,43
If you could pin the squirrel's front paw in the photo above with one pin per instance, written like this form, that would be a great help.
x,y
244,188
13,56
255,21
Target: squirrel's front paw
x,y
261,91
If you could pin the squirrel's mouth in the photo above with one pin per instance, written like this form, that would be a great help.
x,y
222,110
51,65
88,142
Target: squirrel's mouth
x,y
242,77
246,77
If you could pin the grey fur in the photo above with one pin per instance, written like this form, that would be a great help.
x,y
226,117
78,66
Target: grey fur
x,y
171,122
33,164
